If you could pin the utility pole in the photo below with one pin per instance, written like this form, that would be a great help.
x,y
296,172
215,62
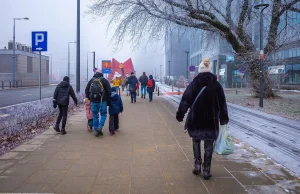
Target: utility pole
x,y
160,74
155,74
187,68
94,60
261,86
169,72
78,49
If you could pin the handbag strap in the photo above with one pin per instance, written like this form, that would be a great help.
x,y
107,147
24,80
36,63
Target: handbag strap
x,y
198,96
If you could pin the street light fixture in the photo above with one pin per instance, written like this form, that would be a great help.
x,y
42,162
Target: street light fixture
x,y
69,57
262,7
14,67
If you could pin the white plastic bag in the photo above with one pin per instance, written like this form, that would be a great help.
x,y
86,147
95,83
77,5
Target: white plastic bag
x,y
224,144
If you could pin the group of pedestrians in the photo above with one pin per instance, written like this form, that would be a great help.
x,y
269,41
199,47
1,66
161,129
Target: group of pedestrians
x,y
204,97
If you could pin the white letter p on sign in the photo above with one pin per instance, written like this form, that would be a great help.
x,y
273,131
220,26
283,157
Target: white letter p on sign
x,y
39,37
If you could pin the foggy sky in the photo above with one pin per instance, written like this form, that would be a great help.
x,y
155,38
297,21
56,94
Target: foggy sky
x,y
58,17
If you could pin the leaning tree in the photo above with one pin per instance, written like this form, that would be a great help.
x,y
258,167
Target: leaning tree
x,y
230,19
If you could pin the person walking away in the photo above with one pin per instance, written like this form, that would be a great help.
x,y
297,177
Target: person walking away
x,y
116,83
123,82
115,108
132,82
150,87
89,114
207,112
98,91
61,98
143,80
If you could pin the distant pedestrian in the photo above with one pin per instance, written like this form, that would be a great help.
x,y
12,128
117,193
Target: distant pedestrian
x,y
115,108
132,82
123,82
61,98
98,91
89,114
150,87
116,83
208,109
143,80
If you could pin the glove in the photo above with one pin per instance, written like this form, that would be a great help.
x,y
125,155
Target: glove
x,y
54,104
179,118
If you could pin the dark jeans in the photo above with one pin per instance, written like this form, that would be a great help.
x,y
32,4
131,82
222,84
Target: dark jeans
x,y
150,96
63,114
113,123
133,95
208,151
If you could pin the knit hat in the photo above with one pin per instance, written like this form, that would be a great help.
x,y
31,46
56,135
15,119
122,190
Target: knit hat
x,y
204,66
114,89
66,79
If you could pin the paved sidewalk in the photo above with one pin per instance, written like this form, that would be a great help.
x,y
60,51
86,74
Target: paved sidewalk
x,y
149,154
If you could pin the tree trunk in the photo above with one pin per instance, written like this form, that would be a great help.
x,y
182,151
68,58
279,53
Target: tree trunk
x,y
254,80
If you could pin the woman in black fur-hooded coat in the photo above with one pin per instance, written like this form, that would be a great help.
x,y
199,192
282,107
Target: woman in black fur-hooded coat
x,y
209,111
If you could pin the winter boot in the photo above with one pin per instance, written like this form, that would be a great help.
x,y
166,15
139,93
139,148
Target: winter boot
x,y
63,132
206,172
100,132
197,157
56,128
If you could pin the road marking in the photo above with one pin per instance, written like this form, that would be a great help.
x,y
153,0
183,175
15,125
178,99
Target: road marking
x,y
27,95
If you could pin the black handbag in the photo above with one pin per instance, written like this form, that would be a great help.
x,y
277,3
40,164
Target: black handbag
x,y
190,115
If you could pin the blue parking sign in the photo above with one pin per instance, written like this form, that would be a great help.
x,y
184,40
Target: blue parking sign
x,y
39,41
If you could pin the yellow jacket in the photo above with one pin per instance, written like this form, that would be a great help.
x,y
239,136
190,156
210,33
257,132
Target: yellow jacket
x,y
116,83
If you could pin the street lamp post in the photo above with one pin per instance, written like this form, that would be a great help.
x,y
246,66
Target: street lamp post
x,y
69,57
262,7
78,49
14,67
169,72
187,63
155,73
160,74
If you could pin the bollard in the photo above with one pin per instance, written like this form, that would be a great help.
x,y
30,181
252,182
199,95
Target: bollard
x,y
158,91
172,88
156,88
236,92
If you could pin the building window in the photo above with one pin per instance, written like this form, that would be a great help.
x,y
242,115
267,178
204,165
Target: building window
x,y
292,74
29,65
47,66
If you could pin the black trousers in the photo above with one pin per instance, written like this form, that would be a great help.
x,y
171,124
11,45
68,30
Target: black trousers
x,y
63,114
208,151
113,123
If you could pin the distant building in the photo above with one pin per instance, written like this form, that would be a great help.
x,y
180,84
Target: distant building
x,y
177,43
27,71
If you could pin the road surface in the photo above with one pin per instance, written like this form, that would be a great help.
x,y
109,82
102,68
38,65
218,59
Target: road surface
x,y
9,97
275,136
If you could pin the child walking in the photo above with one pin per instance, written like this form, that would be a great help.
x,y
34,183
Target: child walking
x,y
115,107
89,114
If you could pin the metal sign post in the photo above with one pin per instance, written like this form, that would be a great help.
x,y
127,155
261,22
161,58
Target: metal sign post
x,y
39,44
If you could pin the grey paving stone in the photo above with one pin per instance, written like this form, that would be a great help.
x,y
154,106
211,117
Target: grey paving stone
x,y
5,164
224,185
10,183
46,177
111,189
58,165
145,185
66,156
252,178
75,185
21,169
14,156
114,177
35,188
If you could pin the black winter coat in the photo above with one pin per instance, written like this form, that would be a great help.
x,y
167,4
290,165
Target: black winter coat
x,y
62,94
210,110
106,87
144,80
132,82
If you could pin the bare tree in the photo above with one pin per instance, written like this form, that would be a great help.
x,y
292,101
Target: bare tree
x,y
230,19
